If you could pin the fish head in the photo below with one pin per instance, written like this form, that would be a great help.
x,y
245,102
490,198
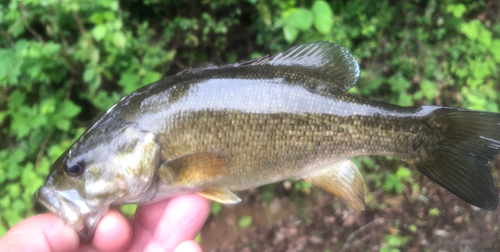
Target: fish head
x,y
88,178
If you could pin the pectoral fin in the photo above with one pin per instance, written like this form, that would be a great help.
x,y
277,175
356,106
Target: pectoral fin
x,y
222,195
196,168
344,181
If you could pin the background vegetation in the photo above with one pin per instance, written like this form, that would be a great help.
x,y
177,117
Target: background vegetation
x,y
64,62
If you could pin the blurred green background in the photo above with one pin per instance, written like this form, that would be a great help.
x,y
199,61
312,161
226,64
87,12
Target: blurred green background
x,y
64,62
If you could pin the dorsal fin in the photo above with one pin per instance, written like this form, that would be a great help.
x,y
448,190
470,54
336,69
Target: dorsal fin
x,y
327,61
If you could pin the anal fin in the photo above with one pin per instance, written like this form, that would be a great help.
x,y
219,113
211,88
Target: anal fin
x,y
344,181
221,195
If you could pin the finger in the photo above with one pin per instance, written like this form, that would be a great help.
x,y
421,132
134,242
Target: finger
x,y
188,246
144,223
113,233
44,232
182,221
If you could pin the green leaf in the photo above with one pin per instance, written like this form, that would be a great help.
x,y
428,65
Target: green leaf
x,y
89,74
245,221
398,83
69,109
48,106
323,16
471,29
300,19
403,173
396,241
17,156
99,32
429,89
434,212
405,100
97,18
215,208
151,77
129,80
457,9
290,33
495,44
119,39
393,182
2,229
128,209
485,38
63,124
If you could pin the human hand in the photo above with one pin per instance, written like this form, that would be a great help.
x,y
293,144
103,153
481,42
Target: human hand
x,y
169,225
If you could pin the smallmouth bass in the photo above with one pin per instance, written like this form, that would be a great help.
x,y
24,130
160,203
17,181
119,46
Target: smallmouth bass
x,y
288,116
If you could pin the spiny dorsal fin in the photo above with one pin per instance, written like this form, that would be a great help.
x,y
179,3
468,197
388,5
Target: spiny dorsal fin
x,y
328,61
324,60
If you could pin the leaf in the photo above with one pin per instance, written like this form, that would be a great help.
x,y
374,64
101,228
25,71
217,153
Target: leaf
x,y
89,74
396,241
429,89
245,221
151,77
128,209
485,38
405,99
393,182
398,83
457,9
129,80
300,19
63,124
48,106
495,44
69,109
434,212
119,39
99,32
290,33
403,173
17,156
471,29
215,208
2,229
323,16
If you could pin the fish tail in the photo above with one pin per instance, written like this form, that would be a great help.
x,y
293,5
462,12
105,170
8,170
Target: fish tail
x,y
460,161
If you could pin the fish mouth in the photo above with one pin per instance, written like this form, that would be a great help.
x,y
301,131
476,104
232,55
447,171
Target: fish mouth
x,y
60,206
72,210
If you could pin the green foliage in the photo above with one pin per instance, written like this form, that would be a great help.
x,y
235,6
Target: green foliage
x,y
434,212
298,20
394,182
197,239
393,242
62,63
128,210
215,208
245,221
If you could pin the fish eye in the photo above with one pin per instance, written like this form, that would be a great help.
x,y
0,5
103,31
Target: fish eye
x,y
75,170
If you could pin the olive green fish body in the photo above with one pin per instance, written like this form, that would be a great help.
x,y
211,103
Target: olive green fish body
x,y
288,116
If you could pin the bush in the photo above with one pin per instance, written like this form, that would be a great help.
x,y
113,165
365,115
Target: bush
x,y
62,63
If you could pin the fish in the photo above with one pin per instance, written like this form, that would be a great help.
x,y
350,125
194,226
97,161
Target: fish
x,y
215,130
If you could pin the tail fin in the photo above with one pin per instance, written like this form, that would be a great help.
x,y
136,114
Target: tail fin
x,y
461,160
